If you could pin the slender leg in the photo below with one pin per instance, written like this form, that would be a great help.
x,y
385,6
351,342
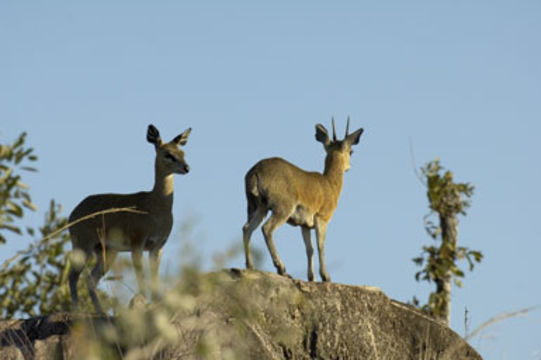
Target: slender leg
x,y
309,251
92,281
110,256
277,218
77,265
254,219
321,230
137,259
73,277
154,257
104,260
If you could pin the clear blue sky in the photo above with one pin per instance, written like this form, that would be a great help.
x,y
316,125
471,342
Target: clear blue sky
x,y
462,79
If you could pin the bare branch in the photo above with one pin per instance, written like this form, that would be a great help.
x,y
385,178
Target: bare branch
x,y
67,226
498,318
414,163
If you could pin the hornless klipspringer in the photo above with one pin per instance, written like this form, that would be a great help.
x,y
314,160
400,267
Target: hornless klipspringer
x,y
147,229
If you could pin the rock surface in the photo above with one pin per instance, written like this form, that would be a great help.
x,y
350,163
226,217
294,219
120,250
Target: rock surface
x,y
239,314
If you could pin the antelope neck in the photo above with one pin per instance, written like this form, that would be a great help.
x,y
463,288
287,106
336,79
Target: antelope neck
x,y
334,172
163,188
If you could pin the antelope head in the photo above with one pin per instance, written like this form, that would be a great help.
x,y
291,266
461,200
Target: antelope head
x,y
169,156
338,150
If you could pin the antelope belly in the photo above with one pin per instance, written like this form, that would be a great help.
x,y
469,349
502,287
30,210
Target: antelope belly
x,y
301,217
118,240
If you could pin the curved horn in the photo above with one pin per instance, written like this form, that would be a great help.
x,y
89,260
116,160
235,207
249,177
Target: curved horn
x,y
333,130
347,128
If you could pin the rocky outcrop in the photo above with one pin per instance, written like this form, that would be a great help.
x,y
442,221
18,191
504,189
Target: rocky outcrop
x,y
239,314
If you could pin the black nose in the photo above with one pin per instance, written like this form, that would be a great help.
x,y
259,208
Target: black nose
x,y
186,168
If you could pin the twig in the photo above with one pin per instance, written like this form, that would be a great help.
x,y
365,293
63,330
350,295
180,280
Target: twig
x,y
87,217
466,323
499,318
67,226
414,163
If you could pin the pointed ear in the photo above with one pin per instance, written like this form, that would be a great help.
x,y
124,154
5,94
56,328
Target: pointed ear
x,y
353,138
153,135
322,135
182,139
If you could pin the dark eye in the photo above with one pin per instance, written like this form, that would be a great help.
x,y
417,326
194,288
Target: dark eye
x,y
170,157
351,152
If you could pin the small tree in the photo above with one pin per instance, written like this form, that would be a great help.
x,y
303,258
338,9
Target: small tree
x,y
447,199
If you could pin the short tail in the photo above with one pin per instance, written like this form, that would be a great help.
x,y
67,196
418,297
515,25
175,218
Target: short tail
x,y
252,192
251,184
255,191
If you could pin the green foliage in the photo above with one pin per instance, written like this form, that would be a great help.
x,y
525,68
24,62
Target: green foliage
x,y
30,281
14,196
444,195
439,262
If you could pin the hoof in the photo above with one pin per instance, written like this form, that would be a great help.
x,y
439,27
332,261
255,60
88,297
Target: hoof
x,y
236,272
284,274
